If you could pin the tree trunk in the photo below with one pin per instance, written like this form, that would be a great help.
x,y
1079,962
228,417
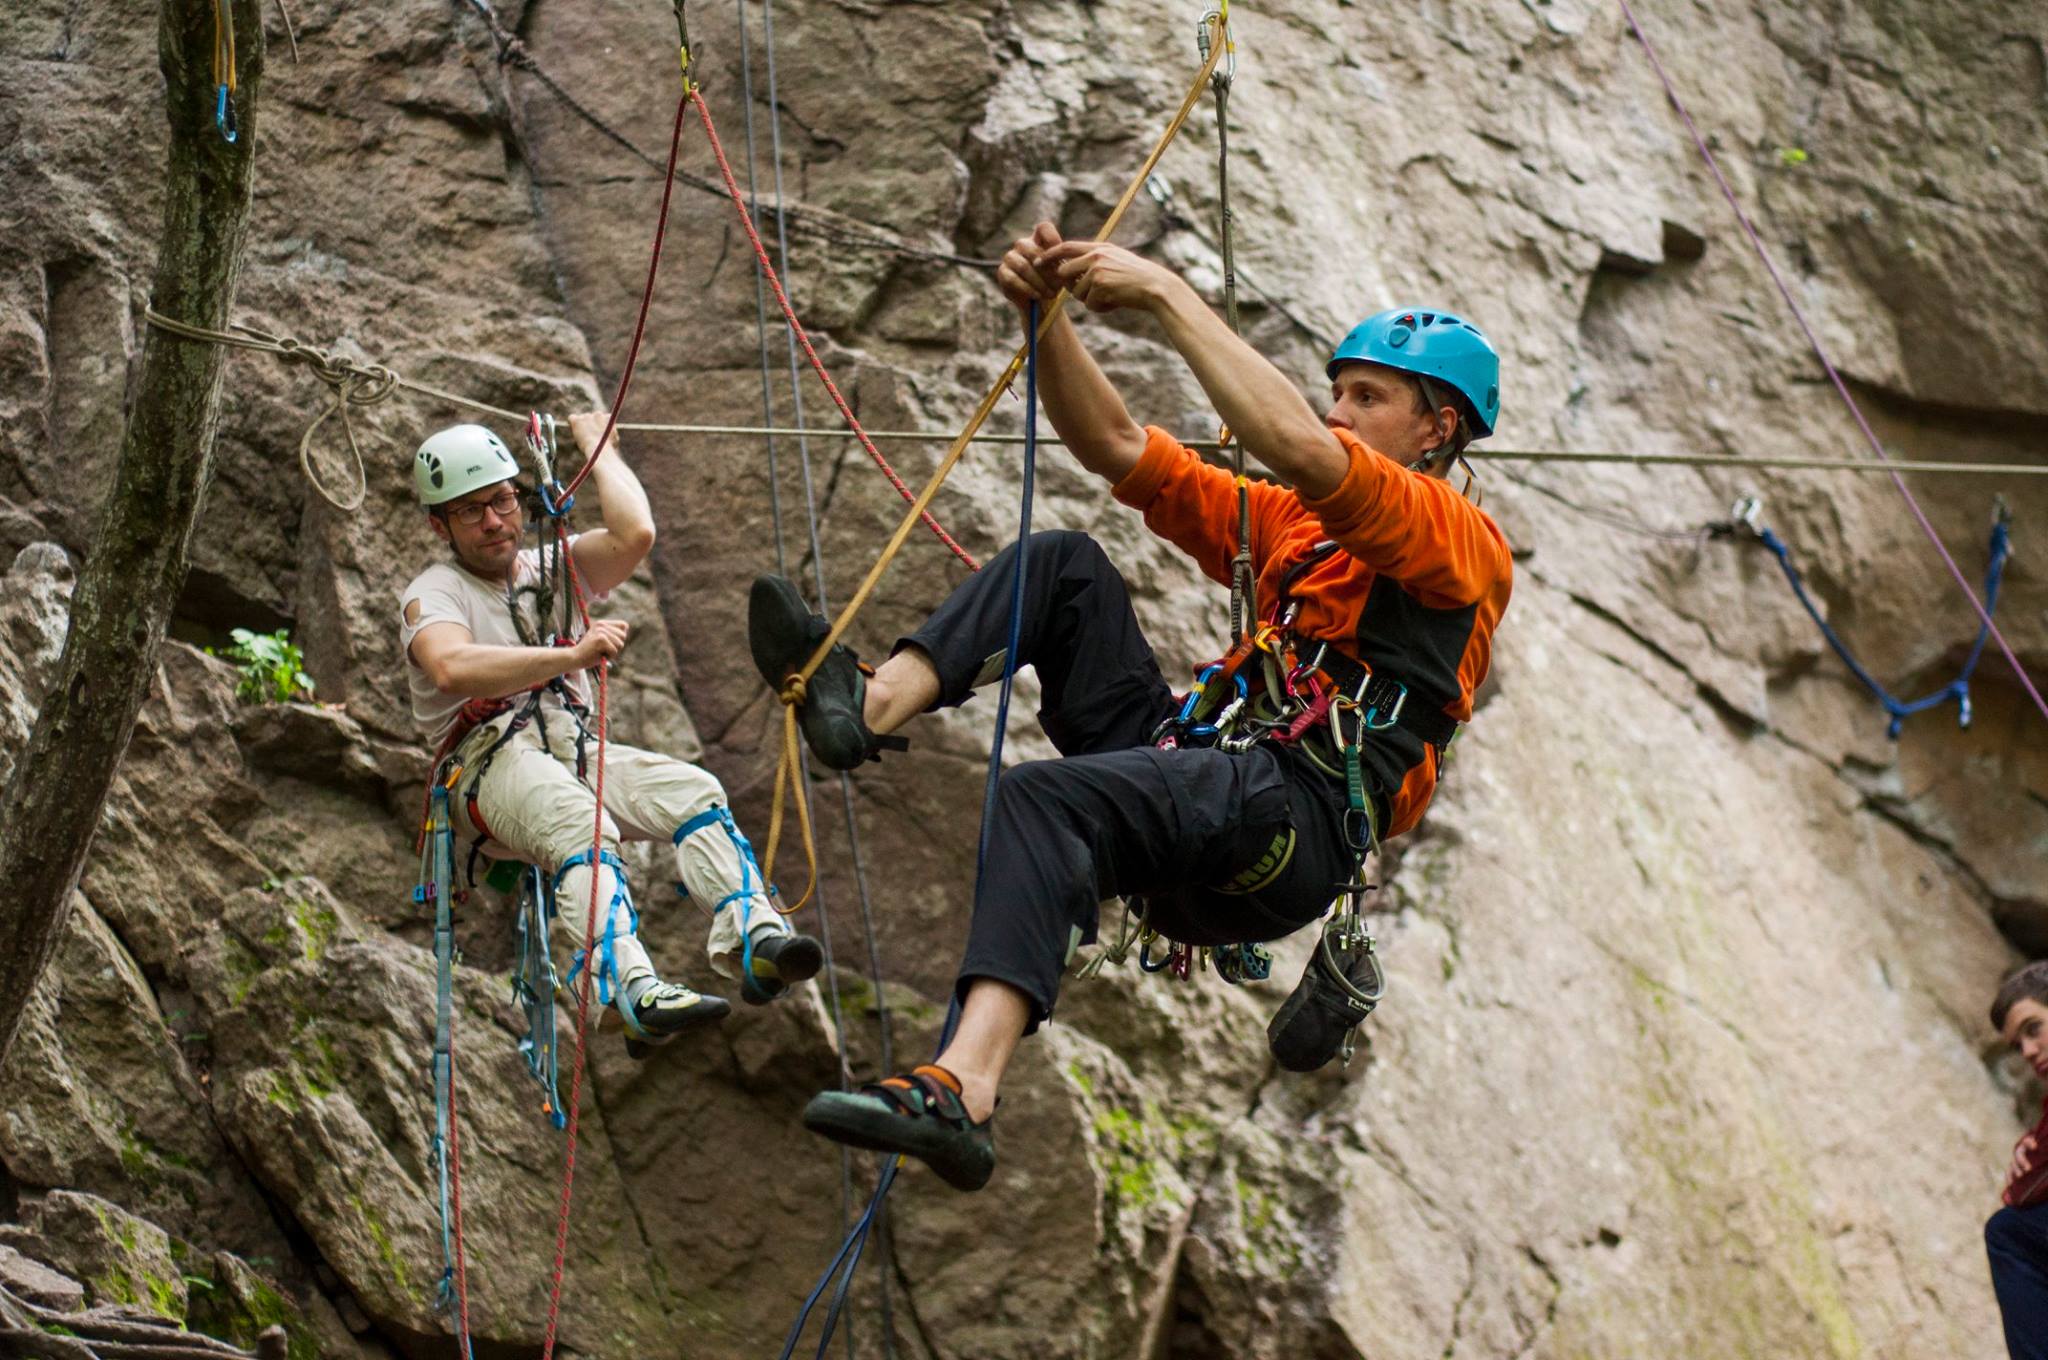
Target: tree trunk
x,y
136,565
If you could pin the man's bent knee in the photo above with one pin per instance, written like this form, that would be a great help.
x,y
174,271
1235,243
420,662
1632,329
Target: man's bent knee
x,y
2006,1233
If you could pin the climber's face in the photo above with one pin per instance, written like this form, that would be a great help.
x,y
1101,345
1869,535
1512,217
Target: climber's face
x,y
1384,407
482,528
2026,1029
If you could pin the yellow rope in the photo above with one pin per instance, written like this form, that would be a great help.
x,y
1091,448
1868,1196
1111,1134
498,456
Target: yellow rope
x,y
789,774
792,692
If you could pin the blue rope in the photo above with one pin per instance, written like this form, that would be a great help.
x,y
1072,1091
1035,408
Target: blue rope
x,y
847,1260
437,882
1958,689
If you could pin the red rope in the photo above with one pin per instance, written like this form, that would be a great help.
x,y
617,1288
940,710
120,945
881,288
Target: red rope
x,y
1820,352
589,965
597,836
455,1186
668,187
803,338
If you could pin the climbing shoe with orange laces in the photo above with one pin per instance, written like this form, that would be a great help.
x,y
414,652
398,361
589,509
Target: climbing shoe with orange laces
x,y
782,632
919,1114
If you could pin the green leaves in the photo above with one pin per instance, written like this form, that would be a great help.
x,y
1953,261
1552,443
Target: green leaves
x,y
271,666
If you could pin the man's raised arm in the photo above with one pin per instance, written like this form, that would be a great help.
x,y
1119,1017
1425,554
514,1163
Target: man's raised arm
x,y
1264,410
606,557
1084,408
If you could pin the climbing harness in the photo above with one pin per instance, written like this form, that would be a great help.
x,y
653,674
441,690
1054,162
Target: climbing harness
x,y
533,980
1820,352
1743,522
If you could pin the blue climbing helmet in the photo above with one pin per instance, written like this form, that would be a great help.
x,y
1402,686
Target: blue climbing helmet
x,y
1430,344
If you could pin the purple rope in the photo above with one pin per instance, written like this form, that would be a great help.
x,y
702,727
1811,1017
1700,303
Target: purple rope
x,y
1820,352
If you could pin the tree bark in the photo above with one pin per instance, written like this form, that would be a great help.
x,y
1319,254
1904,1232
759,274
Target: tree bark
x,y
137,563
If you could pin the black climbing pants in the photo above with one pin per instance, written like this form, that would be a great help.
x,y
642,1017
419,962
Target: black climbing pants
x,y
1114,816
2017,1242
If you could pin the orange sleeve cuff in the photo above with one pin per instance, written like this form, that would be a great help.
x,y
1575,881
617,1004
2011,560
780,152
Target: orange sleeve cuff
x,y
1140,486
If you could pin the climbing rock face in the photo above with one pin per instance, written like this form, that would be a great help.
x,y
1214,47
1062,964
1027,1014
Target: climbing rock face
x,y
1688,964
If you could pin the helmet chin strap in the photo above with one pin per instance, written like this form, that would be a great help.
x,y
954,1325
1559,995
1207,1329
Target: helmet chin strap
x,y
1429,457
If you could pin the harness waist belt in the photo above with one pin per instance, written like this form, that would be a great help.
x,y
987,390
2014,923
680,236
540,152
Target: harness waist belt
x,y
1388,700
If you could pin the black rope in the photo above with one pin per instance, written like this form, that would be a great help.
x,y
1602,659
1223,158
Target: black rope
x,y
1243,583
782,569
884,1254
863,235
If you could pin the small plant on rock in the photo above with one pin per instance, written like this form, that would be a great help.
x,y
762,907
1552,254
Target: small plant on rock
x,y
270,665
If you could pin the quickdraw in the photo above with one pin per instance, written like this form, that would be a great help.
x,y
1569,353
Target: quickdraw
x,y
534,984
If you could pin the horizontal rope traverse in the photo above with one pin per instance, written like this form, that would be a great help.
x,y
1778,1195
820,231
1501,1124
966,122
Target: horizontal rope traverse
x,y
362,383
1827,364
373,382
1708,460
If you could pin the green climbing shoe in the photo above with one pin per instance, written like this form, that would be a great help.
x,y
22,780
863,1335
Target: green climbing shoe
x,y
919,1114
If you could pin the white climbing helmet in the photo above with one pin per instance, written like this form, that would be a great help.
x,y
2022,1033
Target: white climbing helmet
x,y
458,460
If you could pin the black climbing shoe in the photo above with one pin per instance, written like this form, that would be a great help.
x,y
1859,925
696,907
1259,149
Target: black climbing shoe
x,y
782,632
665,1010
1338,989
918,1114
780,962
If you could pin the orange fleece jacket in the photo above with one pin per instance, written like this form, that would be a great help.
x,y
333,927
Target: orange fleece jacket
x,y
1416,594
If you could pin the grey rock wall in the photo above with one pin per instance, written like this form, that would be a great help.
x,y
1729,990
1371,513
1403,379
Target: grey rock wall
x,y
1685,1050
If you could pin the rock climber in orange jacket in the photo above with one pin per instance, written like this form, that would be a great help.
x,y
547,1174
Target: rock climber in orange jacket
x,y
1378,588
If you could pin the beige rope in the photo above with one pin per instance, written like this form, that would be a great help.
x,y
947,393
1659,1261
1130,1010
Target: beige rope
x,y
1478,455
349,383
334,369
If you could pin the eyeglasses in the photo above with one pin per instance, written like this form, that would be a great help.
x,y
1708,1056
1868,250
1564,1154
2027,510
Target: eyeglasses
x,y
504,505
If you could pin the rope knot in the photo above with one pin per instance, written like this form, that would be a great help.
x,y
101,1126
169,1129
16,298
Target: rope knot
x,y
793,691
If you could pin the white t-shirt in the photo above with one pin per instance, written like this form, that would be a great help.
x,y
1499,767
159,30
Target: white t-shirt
x,y
448,593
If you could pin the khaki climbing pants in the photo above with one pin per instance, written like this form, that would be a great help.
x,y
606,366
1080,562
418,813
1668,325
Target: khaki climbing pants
x,y
535,808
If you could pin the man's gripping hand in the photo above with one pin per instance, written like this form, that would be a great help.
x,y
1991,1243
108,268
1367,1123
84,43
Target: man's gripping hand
x,y
586,428
1022,275
604,640
1107,278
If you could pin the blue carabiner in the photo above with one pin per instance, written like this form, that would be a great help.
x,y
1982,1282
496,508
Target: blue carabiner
x,y
223,113
1372,723
555,509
